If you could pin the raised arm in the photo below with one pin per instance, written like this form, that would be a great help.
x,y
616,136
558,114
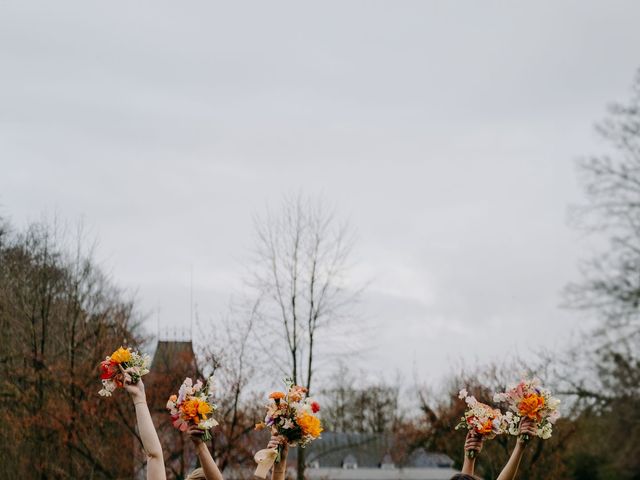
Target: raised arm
x,y
527,427
209,466
148,435
473,443
279,471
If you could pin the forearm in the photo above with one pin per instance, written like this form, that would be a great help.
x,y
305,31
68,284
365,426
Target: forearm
x,y
469,465
211,470
150,440
510,469
280,469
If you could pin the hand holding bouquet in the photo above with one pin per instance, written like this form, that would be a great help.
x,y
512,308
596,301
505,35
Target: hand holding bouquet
x,y
193,406
529,400
480,419
292,416
113,367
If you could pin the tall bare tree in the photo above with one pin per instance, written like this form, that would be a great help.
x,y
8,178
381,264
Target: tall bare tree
x,y
611,285
302,261
610,290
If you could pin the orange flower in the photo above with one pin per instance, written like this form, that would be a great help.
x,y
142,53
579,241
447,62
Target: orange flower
x,y
297,392
487,427
193,409
121,355
261,426
531,405
310,425
277,395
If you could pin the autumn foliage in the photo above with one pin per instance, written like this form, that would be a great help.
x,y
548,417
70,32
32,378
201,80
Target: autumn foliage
x,y
59,316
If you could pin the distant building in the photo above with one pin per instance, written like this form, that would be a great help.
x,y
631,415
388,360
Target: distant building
x,y
351,456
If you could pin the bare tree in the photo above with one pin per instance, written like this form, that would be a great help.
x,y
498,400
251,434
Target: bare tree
x,y
302,260
605,386
611,284
353,405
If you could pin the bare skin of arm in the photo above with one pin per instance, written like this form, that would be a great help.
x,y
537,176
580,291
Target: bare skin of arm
x,y
527,427
148,435
472,443
209,466
279,469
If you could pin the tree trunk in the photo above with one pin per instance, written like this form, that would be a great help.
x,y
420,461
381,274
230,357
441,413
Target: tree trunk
x,y
301,464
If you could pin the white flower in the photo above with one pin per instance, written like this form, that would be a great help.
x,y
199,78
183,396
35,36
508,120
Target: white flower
x,y
108,387
462,394
553,403
207,424
544,432
499,397
184,389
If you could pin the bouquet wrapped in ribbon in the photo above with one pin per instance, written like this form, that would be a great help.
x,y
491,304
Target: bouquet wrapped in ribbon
x,y
193,406
291,415
113,367
482,419
528,399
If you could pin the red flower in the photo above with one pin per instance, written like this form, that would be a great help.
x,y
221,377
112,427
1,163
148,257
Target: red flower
x,y
108,370
315,407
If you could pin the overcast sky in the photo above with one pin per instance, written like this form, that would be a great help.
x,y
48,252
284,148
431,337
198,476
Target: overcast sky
x,y
446,132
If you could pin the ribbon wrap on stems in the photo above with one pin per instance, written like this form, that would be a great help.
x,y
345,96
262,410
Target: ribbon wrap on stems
x,y
265,459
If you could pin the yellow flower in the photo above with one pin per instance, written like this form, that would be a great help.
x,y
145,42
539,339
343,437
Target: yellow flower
x,y
121,355
203,409
310,425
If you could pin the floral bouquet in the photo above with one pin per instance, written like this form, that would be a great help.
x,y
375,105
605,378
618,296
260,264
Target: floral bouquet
x,y
193,406
291,415
528,399
482,419
111,369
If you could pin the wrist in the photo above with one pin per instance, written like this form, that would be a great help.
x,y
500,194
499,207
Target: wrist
x,y
468,465
138,398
